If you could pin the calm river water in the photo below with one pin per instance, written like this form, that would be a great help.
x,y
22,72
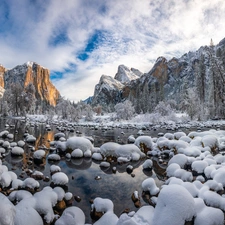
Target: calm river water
x,y
117,187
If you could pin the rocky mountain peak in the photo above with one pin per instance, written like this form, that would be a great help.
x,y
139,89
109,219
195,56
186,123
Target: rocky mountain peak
x,y
31,72
125,75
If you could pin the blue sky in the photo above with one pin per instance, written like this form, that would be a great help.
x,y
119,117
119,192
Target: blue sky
x,y
79,40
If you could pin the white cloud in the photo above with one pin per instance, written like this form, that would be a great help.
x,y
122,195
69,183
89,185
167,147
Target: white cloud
x,y
135,34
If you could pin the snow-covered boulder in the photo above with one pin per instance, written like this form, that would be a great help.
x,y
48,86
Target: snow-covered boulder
x,y
17,151
174,200
7,211
60,178
150,186
72,215
144,143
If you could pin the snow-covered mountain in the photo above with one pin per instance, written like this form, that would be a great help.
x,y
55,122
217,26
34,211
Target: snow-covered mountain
x,y
31,72
197,78
125,75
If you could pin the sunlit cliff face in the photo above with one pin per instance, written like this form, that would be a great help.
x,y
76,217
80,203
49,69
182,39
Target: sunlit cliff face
x,y
31,73
40,77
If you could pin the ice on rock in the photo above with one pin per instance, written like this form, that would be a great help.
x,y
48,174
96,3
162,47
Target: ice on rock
x,y
60,178
149,185
71,216
7,211
175,205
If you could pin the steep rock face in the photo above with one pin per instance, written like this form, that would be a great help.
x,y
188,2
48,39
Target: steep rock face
x,y
125,75
2,71
194,80
37,75
107,92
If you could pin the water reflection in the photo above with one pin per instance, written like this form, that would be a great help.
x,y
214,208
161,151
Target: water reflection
x,y
118,186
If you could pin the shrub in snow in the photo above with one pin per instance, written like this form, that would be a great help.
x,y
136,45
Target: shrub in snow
x,y
175,205
169,136
185,138
60,178
77,153
178,135
144,143
72,215
7,211
17,151
210,141
147,165
199,166
150,186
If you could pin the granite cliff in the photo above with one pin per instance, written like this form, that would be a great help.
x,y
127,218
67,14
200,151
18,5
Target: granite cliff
x,y
31,72
196,78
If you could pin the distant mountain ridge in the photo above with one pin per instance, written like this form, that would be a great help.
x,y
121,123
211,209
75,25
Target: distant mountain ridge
x,y
34,73
195,77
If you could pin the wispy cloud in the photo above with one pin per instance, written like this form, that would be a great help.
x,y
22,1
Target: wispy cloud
x,y
79,40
